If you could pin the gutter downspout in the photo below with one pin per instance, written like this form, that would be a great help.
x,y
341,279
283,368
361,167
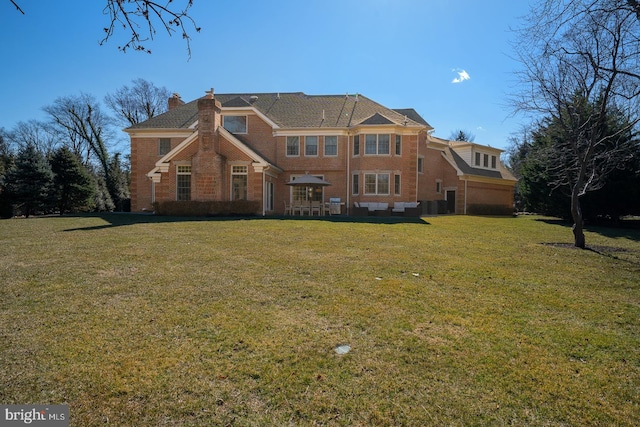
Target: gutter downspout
x,y
417,160
348,180
264,194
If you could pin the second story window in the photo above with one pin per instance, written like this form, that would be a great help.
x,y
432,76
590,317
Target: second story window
x,y
356,145
310,145
164,146
330,145
235,124
376,144
398,145
293,146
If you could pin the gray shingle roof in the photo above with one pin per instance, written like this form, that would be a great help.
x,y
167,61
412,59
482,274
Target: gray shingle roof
x,y
412,114
293,110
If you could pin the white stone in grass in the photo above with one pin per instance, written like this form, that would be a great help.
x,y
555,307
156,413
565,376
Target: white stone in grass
x,y
343,349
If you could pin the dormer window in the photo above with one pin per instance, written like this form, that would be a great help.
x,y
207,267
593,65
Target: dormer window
x,y
485,160
235,124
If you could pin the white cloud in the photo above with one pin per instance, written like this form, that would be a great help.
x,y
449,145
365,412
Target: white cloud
x,y
462,75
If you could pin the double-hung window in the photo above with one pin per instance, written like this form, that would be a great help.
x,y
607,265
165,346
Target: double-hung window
x,y
183,182
311,146
376,183
396,184
293,146
164,146
235,124
330,145
398,145
356,145
239,182
376,144
355,184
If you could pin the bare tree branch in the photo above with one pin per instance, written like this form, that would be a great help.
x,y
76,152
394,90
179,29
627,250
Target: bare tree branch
x,y
129,13
17,7
141,17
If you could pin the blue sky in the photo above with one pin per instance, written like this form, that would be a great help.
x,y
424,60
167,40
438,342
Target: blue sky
x,y
450,60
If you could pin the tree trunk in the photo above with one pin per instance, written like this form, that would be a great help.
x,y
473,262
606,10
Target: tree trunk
x,y
578,220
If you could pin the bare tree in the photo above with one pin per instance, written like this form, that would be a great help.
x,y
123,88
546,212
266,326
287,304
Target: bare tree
x,y
142,18
82,120
140,102
578,53
35,133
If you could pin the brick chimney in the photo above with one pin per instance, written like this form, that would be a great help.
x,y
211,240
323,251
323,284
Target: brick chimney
x,y
175,101
207,164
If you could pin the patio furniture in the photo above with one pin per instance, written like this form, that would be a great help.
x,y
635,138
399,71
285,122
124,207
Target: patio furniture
x,y
358,210
315,207
407,208
287,208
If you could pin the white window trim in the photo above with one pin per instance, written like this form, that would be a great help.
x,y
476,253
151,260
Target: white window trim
x,y
377,153
178,174
317,146
324,146
246,120
377,193
286,146
232,173
355,193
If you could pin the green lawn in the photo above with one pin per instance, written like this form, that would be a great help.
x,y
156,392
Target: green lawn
x,y
144,321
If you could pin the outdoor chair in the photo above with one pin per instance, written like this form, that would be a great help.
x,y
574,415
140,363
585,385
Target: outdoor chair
x,y
315,207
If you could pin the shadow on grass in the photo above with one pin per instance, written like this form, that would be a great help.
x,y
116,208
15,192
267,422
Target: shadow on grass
x,y
621,230
124,219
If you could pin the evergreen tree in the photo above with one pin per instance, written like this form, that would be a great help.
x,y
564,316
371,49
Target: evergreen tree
x,y
6,162
29,182
73,187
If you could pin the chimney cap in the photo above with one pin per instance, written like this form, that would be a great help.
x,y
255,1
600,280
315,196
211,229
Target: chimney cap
x,y
209,94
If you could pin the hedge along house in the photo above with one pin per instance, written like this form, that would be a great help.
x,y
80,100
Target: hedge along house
x,y
226,147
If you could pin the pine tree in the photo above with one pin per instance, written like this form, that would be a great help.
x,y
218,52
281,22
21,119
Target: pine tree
x,y
73,187
29,182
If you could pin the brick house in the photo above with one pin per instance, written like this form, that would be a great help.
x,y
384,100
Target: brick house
x,y
248,146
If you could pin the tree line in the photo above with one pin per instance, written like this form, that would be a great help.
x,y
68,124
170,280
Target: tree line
x,y
69,162
579,86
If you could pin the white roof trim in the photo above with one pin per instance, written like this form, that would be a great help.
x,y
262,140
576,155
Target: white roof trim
x,y
163,164
257,112
258,161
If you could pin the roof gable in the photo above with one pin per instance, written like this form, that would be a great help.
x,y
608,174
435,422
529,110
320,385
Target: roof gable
x,y
377,119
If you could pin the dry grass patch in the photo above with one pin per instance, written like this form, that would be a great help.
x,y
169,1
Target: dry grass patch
x,y
136,320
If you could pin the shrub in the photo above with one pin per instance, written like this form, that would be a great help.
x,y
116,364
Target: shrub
x,y
210,208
